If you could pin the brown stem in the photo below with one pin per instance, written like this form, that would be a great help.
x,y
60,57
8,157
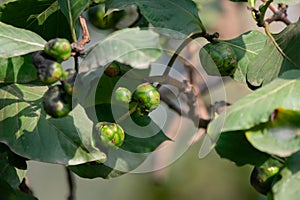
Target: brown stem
x,y
24,187
85,32
280,14
71,184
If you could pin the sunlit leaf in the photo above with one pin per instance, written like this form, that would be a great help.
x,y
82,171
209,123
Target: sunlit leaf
x,y
30,133
15,41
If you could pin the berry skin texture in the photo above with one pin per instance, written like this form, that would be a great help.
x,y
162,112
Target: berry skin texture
x,y
221,55
68,79
58,48
54,102
146,96
111,134
123,95
49,71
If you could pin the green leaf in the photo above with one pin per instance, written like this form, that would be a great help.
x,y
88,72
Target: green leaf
x,y
271,63
72,9
288,186
8,169
235,147
40,16
177,15
142,136
30,133
257,107
17,70
247,47
134,47
8,193
15,41
280,136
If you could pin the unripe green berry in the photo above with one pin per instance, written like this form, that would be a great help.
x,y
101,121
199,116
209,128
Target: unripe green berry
x,y
58,48
146,96
123,95
68,79
221,55
54,102
111,134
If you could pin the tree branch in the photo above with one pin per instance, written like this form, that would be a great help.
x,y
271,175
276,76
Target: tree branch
x,y
71,184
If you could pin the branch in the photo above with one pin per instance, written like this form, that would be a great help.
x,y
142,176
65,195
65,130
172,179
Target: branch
x,y
78,47
24,186
70,179
280,13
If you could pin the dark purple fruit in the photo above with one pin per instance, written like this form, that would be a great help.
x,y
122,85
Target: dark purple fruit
x,y
55,102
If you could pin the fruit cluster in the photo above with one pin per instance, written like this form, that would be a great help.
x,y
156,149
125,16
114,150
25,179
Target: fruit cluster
x,y
143,100
57,99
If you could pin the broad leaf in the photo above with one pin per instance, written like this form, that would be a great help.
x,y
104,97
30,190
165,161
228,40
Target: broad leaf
x,y
271,63
257,107
15,41
279,136
288,186
236,147
177,15
12,167
247,47
30,133
40,16
142,136
17,70
134,47
8,193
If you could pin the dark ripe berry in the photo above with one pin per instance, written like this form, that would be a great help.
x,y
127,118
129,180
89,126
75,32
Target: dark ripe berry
x,y
221,55
49,71
112,70
123,95
58,48
55,103
68,79
111,134
146,96
98,18
262,178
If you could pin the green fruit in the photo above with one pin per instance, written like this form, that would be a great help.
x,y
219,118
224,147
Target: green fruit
x,y
113,70
49,71
98,18
68,79
58,48
111,134
54,102
263,178
123,95
221,55
146,96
